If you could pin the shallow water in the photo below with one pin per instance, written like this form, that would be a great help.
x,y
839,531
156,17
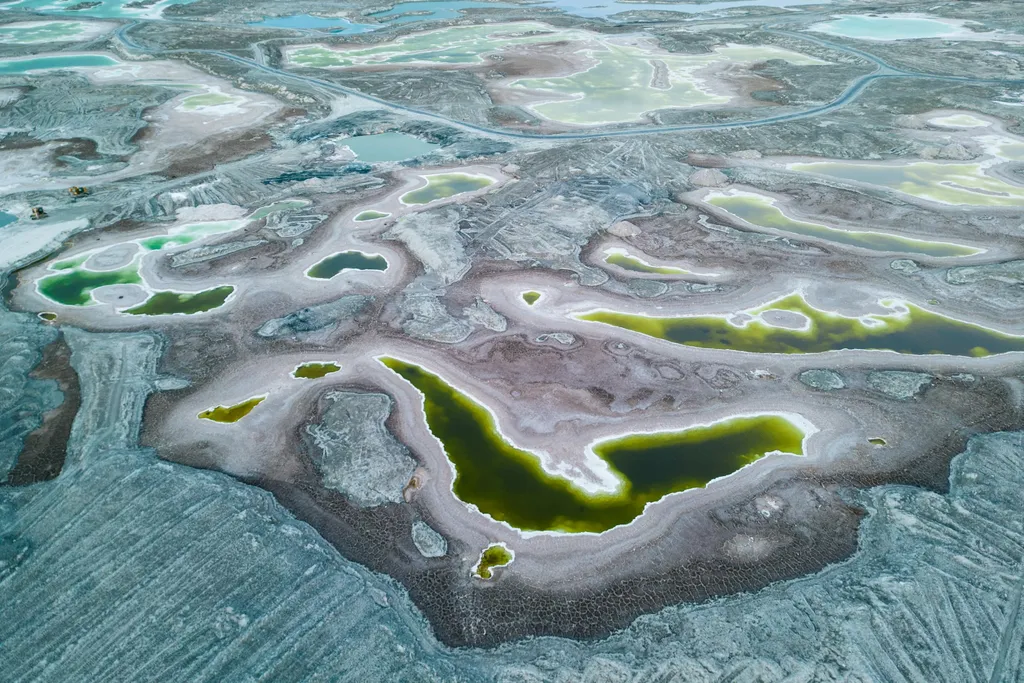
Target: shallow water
x,y
510,485
370,216
444,185
918,331
388,147
946,182
431,11
761,211
346,260
7,218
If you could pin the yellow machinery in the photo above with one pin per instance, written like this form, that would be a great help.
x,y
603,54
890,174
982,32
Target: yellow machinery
x,y
78,191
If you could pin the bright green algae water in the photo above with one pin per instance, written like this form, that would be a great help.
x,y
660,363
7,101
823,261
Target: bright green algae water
x,y
315,370
510,485
531,297
627,262
762,212
73,286
346,260
493,556
444,185
187,303
229,414
917,332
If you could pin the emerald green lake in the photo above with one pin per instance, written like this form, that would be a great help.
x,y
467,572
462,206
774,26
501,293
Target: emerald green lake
x,y
493,556
510,485
184,303
444,185
917,332
73,286
346,260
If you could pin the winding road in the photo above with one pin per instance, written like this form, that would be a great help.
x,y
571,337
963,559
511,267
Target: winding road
x,y
882,71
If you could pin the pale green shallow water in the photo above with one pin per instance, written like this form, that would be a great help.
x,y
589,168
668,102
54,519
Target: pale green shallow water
x,y
885,27
444,185
761,211
948,183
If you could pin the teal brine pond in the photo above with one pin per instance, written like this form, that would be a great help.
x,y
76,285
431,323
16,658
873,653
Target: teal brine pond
x,y
388,147
444,185
886,27
20,66
183,303
7,219
510,485
346,260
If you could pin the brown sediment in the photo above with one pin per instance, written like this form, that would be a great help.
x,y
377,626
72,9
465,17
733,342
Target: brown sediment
x,y
42,456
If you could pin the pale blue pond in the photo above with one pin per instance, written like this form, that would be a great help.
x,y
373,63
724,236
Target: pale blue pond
x,y
19,66
388,147
333,25
885,27
6,219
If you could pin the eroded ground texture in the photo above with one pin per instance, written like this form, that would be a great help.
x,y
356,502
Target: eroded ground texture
x,y
465,341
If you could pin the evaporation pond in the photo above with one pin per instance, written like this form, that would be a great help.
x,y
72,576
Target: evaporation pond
x,y
315,370
761,211
7,218
905,329
183,303
18,66
885,27
510,485
346,260
228,414
444,185
370,215
388,147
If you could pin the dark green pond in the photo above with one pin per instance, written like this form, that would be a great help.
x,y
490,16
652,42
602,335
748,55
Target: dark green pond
x,y
229,414
347,260
509,484
919,332
170,303
315,370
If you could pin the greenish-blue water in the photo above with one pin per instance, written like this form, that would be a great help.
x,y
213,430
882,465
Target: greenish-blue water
x,y
886,28
19,66
7,219
432,11
388,147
